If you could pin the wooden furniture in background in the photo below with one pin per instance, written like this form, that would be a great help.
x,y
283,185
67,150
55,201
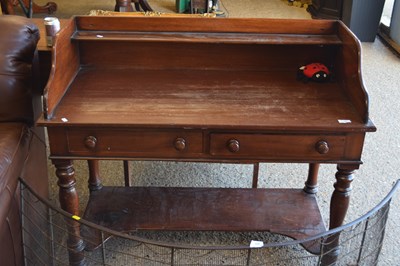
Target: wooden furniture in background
x,y
204,90
126,6
326,9
28,7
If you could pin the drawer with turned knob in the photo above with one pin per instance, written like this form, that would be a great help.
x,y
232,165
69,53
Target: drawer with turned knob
x,y
135,143
285,147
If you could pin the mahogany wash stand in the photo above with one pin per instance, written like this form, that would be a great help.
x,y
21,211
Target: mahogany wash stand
x,y
204,90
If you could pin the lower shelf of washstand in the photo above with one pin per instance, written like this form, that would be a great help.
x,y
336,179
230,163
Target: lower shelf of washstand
x,y
290,212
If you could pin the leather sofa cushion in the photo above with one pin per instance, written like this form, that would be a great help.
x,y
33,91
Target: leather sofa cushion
x,y
14,146
19,37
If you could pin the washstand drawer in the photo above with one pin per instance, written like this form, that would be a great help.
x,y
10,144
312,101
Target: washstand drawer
x,y
142,143
275,146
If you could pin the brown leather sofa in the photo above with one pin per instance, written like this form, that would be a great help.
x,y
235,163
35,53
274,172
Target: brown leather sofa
x,y
22,145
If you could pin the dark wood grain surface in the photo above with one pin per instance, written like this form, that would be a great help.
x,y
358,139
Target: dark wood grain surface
x,y
205,209
204,99
193,37
194,24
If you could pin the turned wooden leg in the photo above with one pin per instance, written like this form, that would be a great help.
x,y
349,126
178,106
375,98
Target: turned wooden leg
x,y
94,175
311,185
69,202
341,196
339,204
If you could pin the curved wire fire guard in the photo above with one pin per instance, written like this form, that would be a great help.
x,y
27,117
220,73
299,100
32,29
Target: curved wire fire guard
x,y
45,241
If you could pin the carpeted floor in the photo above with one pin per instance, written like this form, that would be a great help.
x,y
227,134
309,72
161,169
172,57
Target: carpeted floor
x,y
380,69
233,8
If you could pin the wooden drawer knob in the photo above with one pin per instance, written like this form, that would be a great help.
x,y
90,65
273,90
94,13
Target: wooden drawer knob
x,y
233,145
90,142
322,147
180,144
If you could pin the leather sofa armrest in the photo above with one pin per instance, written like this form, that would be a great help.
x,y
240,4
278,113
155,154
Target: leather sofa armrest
x,y
18,40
